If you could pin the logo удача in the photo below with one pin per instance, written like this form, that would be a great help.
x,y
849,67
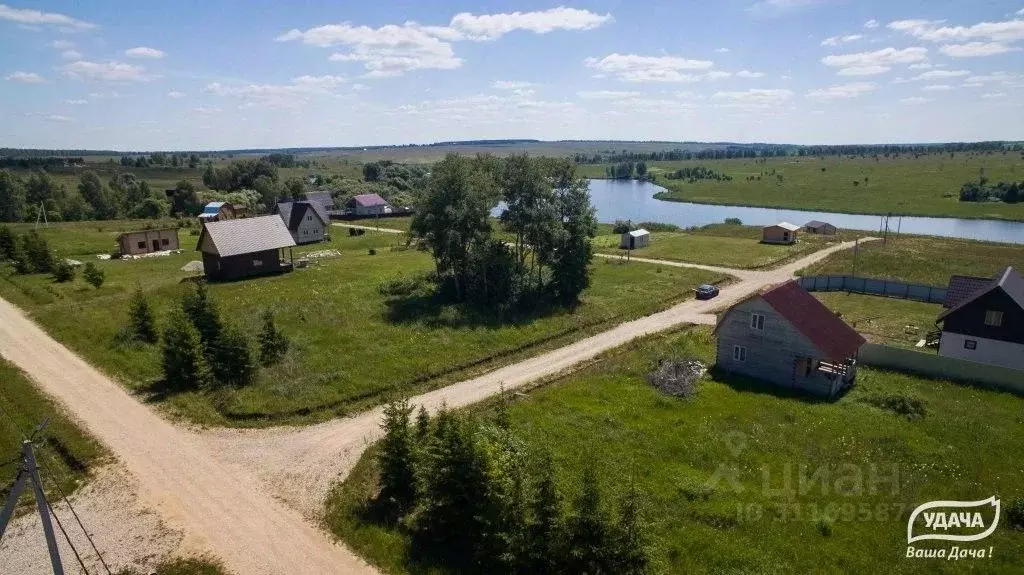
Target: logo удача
x,y
953,520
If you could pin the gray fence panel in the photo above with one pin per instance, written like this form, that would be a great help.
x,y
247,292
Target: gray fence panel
x,y
916,292
937,366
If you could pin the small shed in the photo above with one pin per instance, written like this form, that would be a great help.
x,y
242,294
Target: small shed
x,y
780,233
236,249
818,227
304,221
217,211
369,205
147,241
635,239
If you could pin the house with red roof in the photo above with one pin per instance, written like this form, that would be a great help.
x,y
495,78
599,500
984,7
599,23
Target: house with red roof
x,y
788,338
369,205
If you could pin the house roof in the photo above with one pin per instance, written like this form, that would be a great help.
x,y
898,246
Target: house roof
x,y
293,212
962,287
246,235
816,224
368,200
638,233
212,207
1008,280
785,226
322,202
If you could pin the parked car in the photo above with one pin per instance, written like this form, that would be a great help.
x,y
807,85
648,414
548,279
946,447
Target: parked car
x,y
706,291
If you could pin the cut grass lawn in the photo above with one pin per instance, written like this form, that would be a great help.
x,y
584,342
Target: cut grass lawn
x,y
884,320
966,447
928,185
66,452
730,246
925,260
350,348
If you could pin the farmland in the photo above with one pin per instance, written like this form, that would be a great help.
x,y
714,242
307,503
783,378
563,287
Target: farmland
x,y
607,417
351,348
927,185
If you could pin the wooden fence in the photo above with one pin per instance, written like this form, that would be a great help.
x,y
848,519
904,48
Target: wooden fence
x,y
869,286
940,367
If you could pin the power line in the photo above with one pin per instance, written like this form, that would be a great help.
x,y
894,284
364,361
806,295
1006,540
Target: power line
x,y
66,537
77,518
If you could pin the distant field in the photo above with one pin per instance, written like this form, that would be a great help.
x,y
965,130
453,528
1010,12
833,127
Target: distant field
x,y
351,348
928,185
721,472
927,260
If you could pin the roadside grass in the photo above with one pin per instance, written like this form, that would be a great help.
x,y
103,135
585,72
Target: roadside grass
x,y
396,223
865,467
884,320
723,245
202,565
65,450
920,259
351,348
928,185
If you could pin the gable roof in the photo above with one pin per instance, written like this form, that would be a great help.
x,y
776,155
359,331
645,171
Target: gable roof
x,y
816,224
212,207
785,226
292,213
246,235
962,287
322,203
367,200
1008,280
638,233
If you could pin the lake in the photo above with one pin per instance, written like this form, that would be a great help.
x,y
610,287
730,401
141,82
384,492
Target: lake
x,y
634,200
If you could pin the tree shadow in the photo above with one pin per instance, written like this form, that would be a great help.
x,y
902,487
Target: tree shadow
x,y
746,384
436,309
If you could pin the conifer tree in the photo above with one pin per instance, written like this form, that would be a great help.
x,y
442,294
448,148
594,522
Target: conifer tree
x,y
396,459
142,323
183,363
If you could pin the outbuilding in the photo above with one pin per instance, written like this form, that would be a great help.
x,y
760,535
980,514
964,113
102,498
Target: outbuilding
x,y
369,205
147,241
217,211
304,221
780,233
247,247
818,227
635,239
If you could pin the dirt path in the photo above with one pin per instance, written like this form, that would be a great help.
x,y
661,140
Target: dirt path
x,y
222,487
369,228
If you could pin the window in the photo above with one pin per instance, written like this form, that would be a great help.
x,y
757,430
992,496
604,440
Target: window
x,y
970,344
808,366
309,218
142,245
994,318
757,321
164,242
257,263
739,353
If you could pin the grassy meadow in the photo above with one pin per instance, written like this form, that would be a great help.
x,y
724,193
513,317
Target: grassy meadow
x,y
884,320
921,259
350,346
65,451
928,185
714,468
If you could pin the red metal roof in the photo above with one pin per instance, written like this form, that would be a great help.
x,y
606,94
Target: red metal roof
x,y
816,322
367,200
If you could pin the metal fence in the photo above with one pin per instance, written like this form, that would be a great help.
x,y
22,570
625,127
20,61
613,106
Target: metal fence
x,y
937,366
869,286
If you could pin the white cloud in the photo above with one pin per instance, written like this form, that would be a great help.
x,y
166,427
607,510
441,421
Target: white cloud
x,y
57,118
207,110
842,91
62,44
754,96
718,75
606,94
915,100
836,40
920,66
25,78
71,55
494,26
106,71
935,74
937,88
769,8
872,23
886,57
144,52
636,68
722,50
76,102
299,91
863,70
933,31
37,18
749,74
993,77
972,85
976,49
176,94
510,85
993,95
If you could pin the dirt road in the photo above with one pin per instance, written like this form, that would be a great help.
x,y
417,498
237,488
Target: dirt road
x,y
221,487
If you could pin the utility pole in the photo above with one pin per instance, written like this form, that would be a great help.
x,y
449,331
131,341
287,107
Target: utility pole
x,y
856,246
29,471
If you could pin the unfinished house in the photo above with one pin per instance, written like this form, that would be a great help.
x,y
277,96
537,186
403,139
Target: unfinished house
x,y
147,241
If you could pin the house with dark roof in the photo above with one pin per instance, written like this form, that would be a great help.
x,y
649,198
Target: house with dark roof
x,y
788,338
369,205
217,211
322,201
987,325
963,287
304,221
247,247
819,227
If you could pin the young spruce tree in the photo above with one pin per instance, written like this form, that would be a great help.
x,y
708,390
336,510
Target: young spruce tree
x,y
183,363
142,323
396,460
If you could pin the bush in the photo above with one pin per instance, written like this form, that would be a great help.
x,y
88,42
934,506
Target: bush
x,y
230,357
93,275
273,344
908,406
1015,514
824,527
373,252
659,227
622,227
142,323
7,242
63,271
735,221
182,360
37,250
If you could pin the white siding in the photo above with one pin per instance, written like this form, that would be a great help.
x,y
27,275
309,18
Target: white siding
x,y
310,229
990,351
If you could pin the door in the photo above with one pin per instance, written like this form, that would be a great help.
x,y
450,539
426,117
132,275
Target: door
x,y
156,245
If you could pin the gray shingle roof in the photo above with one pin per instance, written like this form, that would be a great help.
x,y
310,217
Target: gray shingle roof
x,y
963,287
247,235
1008,280
368,200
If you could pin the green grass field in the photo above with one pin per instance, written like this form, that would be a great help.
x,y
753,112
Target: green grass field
x,y
928,185
919,259
65,452
721,245
884,320
350,348
966,447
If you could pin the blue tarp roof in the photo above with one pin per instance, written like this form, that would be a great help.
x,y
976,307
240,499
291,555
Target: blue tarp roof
x,y
212,207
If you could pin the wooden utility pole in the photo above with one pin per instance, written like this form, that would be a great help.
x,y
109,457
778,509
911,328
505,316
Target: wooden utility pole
x,y
29,471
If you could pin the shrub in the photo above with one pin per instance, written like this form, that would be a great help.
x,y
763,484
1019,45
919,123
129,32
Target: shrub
x,y
1015,514
734,221
622,227
7,242
93,275
202,312
182,360
63,271
230,357
373,252
395,459
908,406
659,227
38,252
273,343
142,323
824,526
22,265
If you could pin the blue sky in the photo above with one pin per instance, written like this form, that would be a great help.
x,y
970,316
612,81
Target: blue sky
x,y
232,74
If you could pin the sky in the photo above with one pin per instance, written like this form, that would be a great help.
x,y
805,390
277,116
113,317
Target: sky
x,y
202,75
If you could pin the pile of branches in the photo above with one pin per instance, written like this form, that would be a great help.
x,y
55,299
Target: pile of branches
x,y
678,378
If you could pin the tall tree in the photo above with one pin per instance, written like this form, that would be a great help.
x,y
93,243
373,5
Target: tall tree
x,y
571,258
184,366
396,459
12,198
202,311
97,196
545,530
185,200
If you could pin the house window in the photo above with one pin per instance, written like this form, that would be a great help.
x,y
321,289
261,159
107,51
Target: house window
x,y
309,218
257,263
970,344
739,353
785,236
808,366
164,242
994,318
757,321
142,245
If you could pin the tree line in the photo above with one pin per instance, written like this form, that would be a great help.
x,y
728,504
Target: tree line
x,y
698,173
472,498
981,191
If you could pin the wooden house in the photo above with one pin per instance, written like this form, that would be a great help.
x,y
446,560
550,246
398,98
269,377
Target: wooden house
x,y
217,211
635,239
987,324
304,221
147,241
780,233
788,338
235,249
369,205
822,228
